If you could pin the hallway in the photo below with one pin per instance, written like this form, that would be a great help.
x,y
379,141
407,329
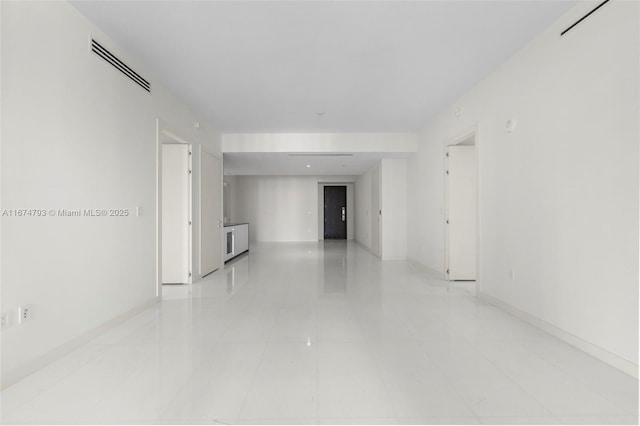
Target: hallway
x,y
323,333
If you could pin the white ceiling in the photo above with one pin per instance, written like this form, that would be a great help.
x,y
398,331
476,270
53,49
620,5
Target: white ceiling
x,y
369,66
345,164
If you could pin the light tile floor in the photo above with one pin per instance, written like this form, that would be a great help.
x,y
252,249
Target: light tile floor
x,y
323,333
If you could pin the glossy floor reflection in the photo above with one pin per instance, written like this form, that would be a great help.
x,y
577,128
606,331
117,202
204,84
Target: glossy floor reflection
x,y
323,333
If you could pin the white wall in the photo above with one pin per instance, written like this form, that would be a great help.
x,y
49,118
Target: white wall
x,y
76,134
393,203
281,208
363,209
393,199
558,196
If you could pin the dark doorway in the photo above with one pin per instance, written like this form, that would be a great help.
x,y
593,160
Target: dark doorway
x,y
335,212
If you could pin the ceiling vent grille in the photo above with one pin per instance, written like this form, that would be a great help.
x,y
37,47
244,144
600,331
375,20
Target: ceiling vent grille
x,y
119,65
320,155
584,17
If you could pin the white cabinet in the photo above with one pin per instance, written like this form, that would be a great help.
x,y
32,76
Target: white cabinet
x,y
241,235
236,240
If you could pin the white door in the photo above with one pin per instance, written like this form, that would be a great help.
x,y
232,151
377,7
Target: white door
x,y
461,209
176,213
210,213
375,212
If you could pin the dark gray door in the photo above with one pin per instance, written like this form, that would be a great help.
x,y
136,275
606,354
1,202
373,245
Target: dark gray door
x,y
335,212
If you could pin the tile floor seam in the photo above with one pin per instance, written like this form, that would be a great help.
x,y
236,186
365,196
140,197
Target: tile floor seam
x,y
66,377
386,387
53,383
453,387
552,413
317,315
162,414
120,383
606,396
368,311
253,379
506,373
516,382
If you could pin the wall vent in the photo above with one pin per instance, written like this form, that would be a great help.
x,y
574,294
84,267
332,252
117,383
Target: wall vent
x,y
119,65
584,17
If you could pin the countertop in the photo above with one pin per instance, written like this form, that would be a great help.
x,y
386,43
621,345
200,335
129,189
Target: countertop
x,y
226,225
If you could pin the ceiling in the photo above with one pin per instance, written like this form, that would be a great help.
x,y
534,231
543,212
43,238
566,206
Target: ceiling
x,y
320,66
298,164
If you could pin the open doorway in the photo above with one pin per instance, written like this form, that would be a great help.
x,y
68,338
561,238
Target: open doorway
x,y
461,209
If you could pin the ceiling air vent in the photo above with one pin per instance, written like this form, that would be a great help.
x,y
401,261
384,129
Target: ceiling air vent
x,y
584,17
319,155
119,65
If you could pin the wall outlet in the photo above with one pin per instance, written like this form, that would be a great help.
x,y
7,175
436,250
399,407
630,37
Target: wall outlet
x,y
512,274
25,313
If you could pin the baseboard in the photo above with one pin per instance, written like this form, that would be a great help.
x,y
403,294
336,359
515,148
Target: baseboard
x,y
392,258
468,286
614,360
432,273
11,377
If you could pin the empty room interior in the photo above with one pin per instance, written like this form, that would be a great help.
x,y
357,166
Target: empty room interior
x,y
320,212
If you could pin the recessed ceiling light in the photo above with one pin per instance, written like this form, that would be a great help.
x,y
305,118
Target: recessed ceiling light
x,y
308,165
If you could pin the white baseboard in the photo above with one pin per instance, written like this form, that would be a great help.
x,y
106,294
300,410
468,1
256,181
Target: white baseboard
x,y
432,273
469,286
11,377
394,258
614,360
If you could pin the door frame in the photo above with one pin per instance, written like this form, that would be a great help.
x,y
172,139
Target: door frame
x,y
474,134
165,133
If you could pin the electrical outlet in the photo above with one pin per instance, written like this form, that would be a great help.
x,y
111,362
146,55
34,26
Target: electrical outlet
x,y
25,313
